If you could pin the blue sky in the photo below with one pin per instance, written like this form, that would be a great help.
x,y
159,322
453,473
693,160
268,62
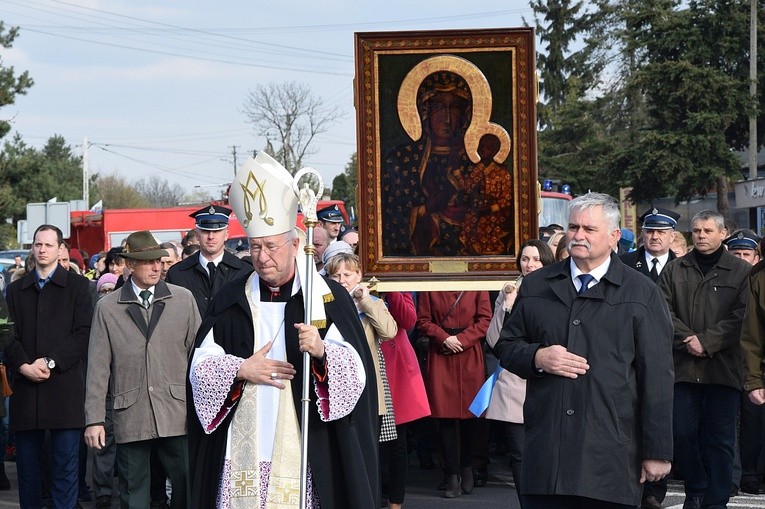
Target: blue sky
x,y
158,87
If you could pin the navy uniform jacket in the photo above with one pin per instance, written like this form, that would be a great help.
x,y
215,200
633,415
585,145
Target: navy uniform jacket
x,y
636,260
190,275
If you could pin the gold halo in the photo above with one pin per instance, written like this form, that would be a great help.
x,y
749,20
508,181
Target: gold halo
x,y
480,89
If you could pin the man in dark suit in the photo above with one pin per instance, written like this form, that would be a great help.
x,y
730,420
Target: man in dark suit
x,y
206,272
658,231
593,340
52,310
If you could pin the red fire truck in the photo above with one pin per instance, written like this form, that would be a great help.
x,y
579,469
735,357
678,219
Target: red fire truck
x,y
100,231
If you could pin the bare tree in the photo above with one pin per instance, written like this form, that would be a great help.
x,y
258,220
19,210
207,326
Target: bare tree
x,y
117,193
289,116
158,192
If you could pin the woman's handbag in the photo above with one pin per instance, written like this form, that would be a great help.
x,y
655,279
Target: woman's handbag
x,y
5,387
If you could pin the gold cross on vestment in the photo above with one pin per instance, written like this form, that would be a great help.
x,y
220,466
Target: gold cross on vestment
x,y
243,483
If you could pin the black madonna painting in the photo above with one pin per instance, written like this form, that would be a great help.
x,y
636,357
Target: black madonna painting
x,y
447,171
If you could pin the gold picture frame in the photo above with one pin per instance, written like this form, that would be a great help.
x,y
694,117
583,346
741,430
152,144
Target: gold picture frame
x,y
446,126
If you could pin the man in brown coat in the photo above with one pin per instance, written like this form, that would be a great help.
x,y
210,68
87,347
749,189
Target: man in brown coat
x,y
141,339
52,310
706,293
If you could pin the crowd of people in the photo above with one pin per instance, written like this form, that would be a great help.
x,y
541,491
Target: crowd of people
x,y
606,367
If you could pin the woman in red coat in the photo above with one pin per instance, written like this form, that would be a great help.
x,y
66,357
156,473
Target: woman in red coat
x,y
407,390
454,322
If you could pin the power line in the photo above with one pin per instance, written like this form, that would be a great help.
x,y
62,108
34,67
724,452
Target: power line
x,y
219,61
177,172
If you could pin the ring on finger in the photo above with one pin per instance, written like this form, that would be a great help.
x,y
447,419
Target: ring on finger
x,y
274,375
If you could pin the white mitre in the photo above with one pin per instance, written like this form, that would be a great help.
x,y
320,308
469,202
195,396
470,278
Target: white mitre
x,y
264,201
263,198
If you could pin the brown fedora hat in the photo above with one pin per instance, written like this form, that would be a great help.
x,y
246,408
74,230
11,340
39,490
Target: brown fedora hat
x,y
142,246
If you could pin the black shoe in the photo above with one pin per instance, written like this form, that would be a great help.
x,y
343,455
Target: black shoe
x,y
692,503
104,502
480,477
752,487
444,483
650,503
453,489
733,490
5,484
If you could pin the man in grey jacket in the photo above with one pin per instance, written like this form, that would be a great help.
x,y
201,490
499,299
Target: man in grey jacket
x,y
706,291
141,338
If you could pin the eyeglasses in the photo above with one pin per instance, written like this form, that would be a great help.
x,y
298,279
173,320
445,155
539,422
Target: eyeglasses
x,y
270,249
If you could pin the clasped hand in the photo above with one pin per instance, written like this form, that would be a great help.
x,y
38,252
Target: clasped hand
x,y
38,371
557,360
452,345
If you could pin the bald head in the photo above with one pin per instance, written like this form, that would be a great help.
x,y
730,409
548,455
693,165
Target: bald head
x,y
320,243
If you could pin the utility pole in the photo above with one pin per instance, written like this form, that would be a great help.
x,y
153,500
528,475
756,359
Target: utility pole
x,y
85,178
753,148
233,151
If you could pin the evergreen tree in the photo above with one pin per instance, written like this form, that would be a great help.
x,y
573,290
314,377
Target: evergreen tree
x,y
11,84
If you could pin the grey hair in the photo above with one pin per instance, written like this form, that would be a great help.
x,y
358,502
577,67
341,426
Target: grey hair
x,y
590,200
715,216
169,246
292,234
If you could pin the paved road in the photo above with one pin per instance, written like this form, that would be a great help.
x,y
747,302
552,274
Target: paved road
x,y
422,492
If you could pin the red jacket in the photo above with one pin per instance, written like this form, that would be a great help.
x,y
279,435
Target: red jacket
x,y
453,380
410,402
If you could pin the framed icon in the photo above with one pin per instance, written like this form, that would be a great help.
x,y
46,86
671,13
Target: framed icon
x,y
446,152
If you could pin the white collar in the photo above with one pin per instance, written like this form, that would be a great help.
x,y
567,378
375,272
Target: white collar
x,y
597,273
137,291
204,261
663,259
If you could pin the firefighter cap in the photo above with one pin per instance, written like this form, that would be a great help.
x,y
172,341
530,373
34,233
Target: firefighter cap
x,y
263,198
211,217
742,239
657,218
331,214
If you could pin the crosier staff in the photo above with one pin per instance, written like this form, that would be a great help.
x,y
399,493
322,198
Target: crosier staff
x,y
308,200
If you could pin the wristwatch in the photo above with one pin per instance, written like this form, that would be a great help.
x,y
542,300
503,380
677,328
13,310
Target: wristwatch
x,y
50,362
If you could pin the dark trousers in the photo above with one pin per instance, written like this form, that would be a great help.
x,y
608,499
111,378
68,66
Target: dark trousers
x,y
751,440
569,502
64,465
133,460
705,434
103,459
515,439
158,482
481,445
393,465
457,438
